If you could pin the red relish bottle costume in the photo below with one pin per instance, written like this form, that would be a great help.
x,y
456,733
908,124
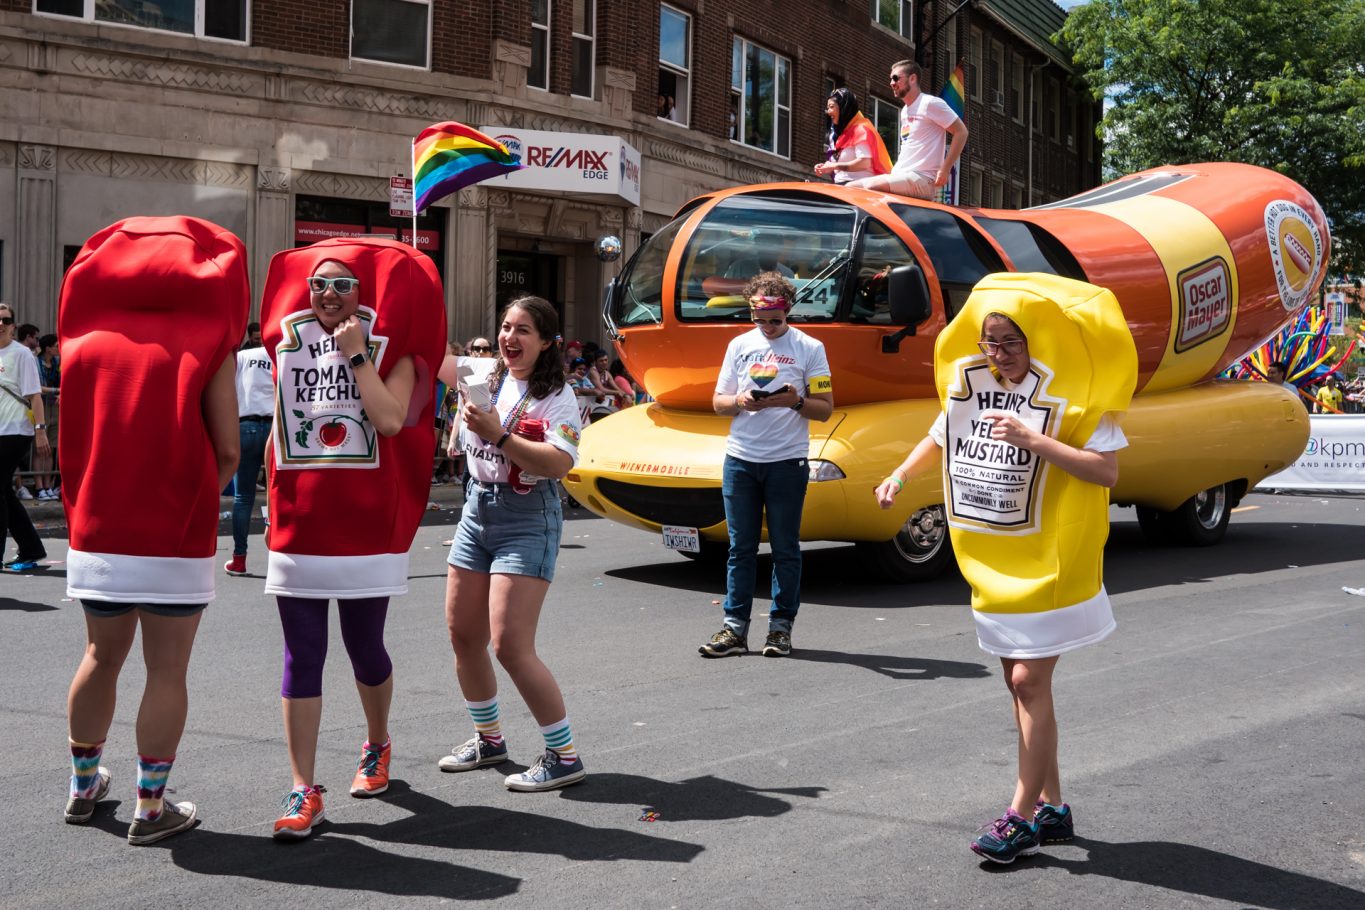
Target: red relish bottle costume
x,y
345,502
150,310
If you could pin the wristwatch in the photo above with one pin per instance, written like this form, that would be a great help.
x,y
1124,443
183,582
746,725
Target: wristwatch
x,y
359,360
800,403
40,426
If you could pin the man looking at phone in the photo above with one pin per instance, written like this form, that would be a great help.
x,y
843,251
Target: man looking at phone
x,y
774,380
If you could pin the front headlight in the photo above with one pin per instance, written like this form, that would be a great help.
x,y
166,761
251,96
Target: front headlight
x,y
824,470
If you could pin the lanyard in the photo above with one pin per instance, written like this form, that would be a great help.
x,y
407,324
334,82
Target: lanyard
x,y
518,410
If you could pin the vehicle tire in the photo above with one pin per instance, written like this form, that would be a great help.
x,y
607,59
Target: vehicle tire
x,y
920,551
1200,521
712,553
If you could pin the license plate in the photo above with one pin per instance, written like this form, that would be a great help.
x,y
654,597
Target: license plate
x,y
687,539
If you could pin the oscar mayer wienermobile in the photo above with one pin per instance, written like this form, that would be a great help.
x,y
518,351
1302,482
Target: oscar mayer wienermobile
x,y
1206,261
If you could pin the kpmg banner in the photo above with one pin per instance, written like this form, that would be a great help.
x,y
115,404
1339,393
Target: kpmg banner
x,y
570,162
1334,459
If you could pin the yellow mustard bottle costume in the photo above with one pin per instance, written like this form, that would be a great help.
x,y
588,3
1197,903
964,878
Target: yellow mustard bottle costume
x,y
1028,536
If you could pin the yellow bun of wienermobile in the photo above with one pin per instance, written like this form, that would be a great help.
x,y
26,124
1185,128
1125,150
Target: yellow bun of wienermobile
x,y
1205,261
1028,536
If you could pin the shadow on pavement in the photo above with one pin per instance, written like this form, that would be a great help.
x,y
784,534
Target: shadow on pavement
x,y
25,606
436,823
1200,871
704,798
896,666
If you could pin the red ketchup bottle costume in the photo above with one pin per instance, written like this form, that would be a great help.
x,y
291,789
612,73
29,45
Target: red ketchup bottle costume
x,y
149,311
345,501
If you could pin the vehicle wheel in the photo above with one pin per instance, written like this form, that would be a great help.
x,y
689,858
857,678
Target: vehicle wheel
x,y
712,553
1200,521
920,551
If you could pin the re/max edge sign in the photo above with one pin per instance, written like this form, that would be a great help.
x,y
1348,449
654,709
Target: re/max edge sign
x,y
582,163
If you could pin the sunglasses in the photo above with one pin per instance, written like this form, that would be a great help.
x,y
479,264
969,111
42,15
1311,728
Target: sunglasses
x,y
758,320
993,348
895,77
481,349
342,286
6,320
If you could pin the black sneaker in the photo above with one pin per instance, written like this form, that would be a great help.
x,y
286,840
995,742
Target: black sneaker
x,y
724,643
1006,839
779,644
1055,825
174,818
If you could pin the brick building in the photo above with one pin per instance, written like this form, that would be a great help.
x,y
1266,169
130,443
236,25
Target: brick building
x,y
285,120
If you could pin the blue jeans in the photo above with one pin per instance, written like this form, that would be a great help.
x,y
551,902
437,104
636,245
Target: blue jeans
x,y
254,433
749,489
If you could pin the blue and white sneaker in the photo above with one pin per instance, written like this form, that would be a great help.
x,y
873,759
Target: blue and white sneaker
x,y
1006,839
474,754
550,772
1055,824
22,565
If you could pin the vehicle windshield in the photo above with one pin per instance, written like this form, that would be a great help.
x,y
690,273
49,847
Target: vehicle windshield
x,y
806,239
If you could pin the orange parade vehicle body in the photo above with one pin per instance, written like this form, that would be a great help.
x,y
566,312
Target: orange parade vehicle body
x,y
1206,261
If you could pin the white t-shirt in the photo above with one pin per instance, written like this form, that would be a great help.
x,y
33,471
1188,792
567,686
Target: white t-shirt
x,y
255,384
18,374
753,362
1108,436
924,135
486,461
852,153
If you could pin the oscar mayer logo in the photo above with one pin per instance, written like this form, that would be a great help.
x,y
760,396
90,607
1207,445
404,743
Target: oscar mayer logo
x,y
1205,303
593,165
1295,251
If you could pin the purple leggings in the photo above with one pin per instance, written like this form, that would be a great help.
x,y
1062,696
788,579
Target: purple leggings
x,y
305,642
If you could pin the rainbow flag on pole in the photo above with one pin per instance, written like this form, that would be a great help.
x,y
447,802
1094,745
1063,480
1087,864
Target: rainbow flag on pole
x,y
449,156
954,91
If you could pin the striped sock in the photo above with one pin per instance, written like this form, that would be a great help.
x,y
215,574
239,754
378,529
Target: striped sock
x,y
151,784
559,739
85,768
487,721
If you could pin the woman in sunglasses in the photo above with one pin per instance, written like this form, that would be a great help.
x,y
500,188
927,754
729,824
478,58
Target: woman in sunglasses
x,y
1027,443
20,396
478,347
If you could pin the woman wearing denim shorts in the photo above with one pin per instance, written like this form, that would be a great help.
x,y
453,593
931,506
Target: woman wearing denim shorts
x,y
519,438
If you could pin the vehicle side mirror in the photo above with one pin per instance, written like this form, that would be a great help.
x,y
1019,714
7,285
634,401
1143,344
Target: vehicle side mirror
x,y
609,298
908,296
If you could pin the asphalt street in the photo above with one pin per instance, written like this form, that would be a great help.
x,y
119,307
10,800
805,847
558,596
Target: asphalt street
x,y
1213,748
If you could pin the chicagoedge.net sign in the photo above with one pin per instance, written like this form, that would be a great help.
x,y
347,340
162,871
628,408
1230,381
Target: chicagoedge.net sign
x,y
570,162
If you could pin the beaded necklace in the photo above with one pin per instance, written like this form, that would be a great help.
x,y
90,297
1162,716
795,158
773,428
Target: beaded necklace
x,y
519,410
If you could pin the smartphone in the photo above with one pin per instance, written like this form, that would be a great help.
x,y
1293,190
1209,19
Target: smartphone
x,y
760,393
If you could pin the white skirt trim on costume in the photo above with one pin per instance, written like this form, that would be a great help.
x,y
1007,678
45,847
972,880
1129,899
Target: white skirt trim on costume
x,y
344,577
1029,636
119,578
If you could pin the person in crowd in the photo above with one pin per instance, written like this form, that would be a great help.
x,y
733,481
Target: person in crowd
x,y
612,397
1330,396
853,147
666,108
177,286
478,347
455,349
773,382
1030,543
1278,373
926,122
573,350
503,557
255,385
28,335
50,377
354,327
23,426
623,381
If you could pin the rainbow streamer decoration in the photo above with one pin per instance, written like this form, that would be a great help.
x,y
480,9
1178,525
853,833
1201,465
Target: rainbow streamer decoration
x,y
954,91
446,157
1305,347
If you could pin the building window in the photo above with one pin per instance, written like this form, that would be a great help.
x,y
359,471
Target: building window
x,y
996,68
950,58
975,75
1069,112
538,76
974,187
997,200
760,81
225,19
1054,104
1017,88
897,15
886,118
675,64
391,31
584,46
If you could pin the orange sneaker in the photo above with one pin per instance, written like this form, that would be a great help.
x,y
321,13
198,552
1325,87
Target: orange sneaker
x,y
302,812
372,777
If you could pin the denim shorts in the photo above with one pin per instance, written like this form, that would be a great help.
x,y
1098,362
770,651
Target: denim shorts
x,y
507,533
109,608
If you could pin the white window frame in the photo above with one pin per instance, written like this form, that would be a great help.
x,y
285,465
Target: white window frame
x,y
539,27
778,106
350,50
573,53
684,72
88,15
905,15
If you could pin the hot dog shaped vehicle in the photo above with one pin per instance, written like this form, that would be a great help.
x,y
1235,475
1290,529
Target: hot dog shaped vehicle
x,y
1206,261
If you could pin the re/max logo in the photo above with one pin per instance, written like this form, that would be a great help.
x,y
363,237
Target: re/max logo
x,y
578,159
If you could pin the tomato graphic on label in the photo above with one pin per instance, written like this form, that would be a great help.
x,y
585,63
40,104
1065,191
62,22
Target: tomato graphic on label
x,y
332,433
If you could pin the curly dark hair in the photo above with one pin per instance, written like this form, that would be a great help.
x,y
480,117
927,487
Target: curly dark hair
x,y
771,284
547,374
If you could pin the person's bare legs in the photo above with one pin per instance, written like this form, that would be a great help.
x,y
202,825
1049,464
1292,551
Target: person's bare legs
x,y
467,620
1030,682
94,689
166,645
514,603
375,701
302,717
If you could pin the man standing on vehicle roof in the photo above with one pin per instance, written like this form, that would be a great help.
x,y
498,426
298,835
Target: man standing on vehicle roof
x,y
925,123
774,380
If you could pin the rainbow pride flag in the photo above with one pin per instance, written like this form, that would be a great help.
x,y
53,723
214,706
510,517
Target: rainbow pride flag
x,y
449,156
954,91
